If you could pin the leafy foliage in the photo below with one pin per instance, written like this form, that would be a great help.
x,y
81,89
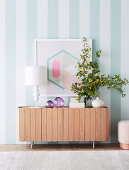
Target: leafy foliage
x,y
90,78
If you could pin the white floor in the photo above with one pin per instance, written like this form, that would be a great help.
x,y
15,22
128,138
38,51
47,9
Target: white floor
x,y
65,160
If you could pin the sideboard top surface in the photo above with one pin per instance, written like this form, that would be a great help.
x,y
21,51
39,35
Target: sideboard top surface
x,y
64,107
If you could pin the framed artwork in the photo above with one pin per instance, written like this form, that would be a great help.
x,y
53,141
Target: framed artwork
x,y
59,58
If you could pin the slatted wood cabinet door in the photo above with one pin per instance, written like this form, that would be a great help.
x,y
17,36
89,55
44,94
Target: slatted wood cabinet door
x,y
63,124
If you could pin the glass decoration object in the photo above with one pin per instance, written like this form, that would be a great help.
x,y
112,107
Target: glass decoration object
x,y
49,104
58,102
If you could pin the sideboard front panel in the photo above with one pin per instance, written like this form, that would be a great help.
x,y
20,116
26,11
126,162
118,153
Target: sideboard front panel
x,y
66,124
63,124
21,124
38,121
87,124
76,134
98,124
55,124
33,125
49,124
60,124
71,118
44,124
27,122
82,125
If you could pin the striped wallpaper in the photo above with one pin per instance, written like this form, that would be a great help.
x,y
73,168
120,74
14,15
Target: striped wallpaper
x,y
21,21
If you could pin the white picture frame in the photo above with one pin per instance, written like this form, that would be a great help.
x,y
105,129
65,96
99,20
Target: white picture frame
x,y
59,57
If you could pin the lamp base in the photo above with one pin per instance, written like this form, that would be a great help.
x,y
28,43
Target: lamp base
x,y
36,96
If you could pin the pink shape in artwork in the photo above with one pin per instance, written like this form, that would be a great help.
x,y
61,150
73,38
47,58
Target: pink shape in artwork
x,y
56,69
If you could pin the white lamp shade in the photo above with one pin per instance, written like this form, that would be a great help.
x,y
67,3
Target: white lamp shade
x,y
34,75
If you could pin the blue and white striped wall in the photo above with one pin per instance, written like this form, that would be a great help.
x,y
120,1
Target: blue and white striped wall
x,y
21,21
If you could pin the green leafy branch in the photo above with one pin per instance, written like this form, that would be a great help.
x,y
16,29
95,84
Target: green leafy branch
x,y
90,78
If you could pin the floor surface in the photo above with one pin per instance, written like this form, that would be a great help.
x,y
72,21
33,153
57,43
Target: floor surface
x,y
59,147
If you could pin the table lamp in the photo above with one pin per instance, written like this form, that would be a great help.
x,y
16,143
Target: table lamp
x,y
34,77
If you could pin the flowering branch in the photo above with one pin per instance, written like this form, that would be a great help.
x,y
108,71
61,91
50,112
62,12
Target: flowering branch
x,y
90,78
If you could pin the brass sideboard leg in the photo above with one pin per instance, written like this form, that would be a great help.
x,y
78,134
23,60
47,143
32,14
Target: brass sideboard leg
x,y
32,144
93,144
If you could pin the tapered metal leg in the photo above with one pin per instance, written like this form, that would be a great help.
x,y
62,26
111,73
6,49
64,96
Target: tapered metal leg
x,y
32,145
93,144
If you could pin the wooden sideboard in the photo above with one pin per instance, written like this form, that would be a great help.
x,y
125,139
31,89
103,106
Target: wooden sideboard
x,y
63,124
